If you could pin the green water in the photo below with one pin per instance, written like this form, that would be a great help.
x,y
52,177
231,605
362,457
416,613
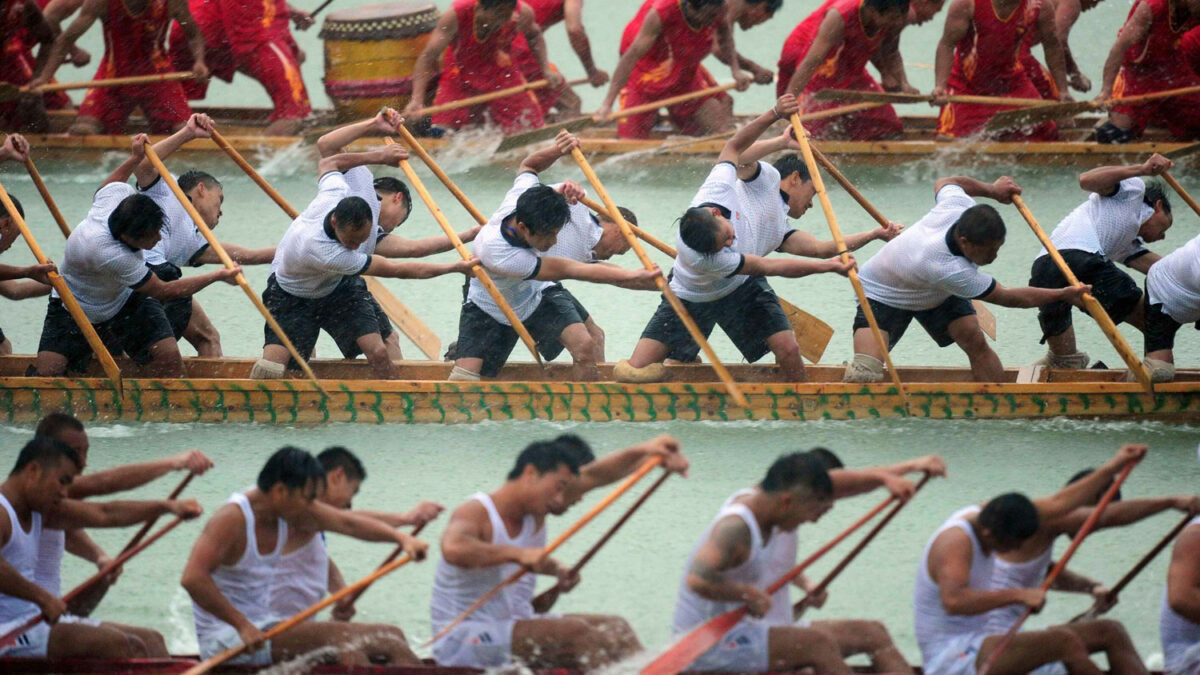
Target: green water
x,y
637,575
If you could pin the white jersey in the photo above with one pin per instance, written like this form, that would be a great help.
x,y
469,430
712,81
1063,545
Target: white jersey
x,y
181,241
782,548
691,610
922,268
48,573
1174,282
21,554
934,626
1028,574
1178,635
301,578
578,238
246,584
1106,225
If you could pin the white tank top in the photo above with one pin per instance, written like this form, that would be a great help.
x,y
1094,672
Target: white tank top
x,y
246,584
691,610
457,588
21,552
933,625
48,573
301,578
1028,574
1177,633
782,549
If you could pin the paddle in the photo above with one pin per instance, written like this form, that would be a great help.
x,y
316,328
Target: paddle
x,y
987,320
1183,194
805,602
890,97
491,96
284,626
116,563
217,248
831,218
546,599
812,334
681,654
804,117
408,323
1094,308
1021,118
149,524
353,597
40,184
480,273
68,299
416,147
10,91
1106,603
611,497
1088,525
320,8
665,288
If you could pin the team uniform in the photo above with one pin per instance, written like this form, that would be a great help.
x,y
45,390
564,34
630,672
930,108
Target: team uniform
x,y
136,45
484,640
987,62
15,67
180,246
1038,73
301,578
1180,637
544,307
711,286
1094,237
844,68
54,100
546,13
1172,295
472,66
922,274
21,553
781,550
1156,64
102,273
316,282
671,67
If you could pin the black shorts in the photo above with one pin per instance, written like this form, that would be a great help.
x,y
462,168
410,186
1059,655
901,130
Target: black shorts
x,y
350,349
347,314
179,311
749,316
1112,287
1160,328
935,321
482,337
140,323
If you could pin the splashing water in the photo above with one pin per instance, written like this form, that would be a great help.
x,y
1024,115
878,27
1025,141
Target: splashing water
x,y
295,158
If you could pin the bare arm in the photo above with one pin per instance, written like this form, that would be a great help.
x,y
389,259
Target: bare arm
x,y
465,543
72,513
950,568
1069,581
1125,512
533,37
727,52
427,63
334,142
1066,13
185,287
1143,262
382,267
1136,28
577,36
804,244
650,32
726,547
791,268
1106,180
222,542
617,465
558,269
854,482
736,147
393,246
122,478
1028,296
21,290
80,545
1081,492
829,36
1055,60
88,14
958,23
195,39
1000,190
198,126
890,63
1183,575
239,254
360,526
343,162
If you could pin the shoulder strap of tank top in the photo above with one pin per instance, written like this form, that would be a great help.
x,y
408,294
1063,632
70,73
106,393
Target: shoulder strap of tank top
x,y
12,516
498,527
742,511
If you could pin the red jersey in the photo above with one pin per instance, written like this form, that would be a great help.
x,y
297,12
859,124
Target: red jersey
x,y
135,45
676,55
481,63
12,31
849,58
1160,51
990,54
250,23
547,12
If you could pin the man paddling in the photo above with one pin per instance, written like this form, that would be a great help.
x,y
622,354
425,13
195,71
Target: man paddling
x,y
931,273
33,497
746,14
1122,214
16,149
237,558
548,13
487,539
104,266
1172,300
956,586
23,26
514,247
1179,618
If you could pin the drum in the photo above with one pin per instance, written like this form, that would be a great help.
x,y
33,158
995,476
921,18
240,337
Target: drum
x,y
371,52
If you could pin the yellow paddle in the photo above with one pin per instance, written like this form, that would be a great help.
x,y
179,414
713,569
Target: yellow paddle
x,y
229,264
1183,194
45,192
9,91
891,97
415,147
1020,118
804,117
491,96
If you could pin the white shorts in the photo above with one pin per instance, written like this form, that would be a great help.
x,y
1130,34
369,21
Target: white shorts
x,y
743,649
82,620
1187,664
30,644
476,644
958,656
227,636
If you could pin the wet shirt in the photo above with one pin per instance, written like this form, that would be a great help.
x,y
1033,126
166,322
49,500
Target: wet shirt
x,y
310,261
1107,225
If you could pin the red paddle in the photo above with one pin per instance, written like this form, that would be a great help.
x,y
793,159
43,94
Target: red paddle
x,y
386,561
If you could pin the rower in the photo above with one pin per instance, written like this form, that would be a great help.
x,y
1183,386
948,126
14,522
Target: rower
x,y
747,14
1147,58
1122,214
488,538
736,219
315,281
34,497
956,587
596,473
391,205
830,50
1179,619
931,273
23,26
661,52
514,249
547,13
481,36
979,54
16,149
258,43
238,557
56,12
1066,13
134,36
1172,299
305,571
105,269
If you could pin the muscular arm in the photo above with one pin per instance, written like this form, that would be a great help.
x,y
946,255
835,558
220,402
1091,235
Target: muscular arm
x,y
736,147
577,36
1183,575
1106,180
533,36
1079,493
1066,13
195,39
540,160
958,23
786,267
1143,262
726,547
21,290
239,254
344,161
353,524
333,142
465,543
1136,28
805,244
427,63
180,288
382,267
890,63
88,13
1119,514
973,187
11,272
72,513
336,581
80,545
121,478
950,568
726,50
558,269
829,36
650,32
222,542
1027,296
617,465
1069,581
393,246
1055,60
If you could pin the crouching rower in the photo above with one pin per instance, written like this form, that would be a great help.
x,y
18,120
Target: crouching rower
x,y
16,149
1179,619
957,589
34,496
236,561
1172,299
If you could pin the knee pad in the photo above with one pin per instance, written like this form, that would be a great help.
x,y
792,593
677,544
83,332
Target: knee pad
x,y
1076,361
462,375
624,372
1110,133
267,370
863,369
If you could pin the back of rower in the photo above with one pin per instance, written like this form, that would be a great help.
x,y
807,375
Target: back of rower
x,y
548,13
1179,618
1172,299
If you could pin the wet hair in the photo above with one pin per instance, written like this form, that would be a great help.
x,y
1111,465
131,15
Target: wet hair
x,y
699,4
135,217
1089,471
389,185
980,224
827,459
885,6
338,457
17,203
698,228
46,452
629,216
52,425
790,164
772,5
1155,192
194,177
542,209
798,470
350,214
1011,517
545,456
295,468
488,4
577,448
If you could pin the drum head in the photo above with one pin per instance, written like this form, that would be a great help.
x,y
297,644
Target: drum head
x,y
382,21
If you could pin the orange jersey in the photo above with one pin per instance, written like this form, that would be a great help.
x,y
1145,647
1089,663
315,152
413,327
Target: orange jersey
x,y
847,60
1159,54
547,12
485,64
135,44
989,57
676,56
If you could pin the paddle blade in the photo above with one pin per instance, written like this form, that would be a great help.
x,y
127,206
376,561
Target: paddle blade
x,y
694,644
549,131
868,96
1023,117
987,320
812,333
8,92
408,323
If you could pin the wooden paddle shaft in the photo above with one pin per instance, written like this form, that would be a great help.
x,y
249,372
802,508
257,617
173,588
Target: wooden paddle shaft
x,y
40,184
492,96
1153,96
1150,556
229,264
115,82
1094,308
665,288
1183,194
391,556
254,175
149,524
805,117
462,198
672,100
